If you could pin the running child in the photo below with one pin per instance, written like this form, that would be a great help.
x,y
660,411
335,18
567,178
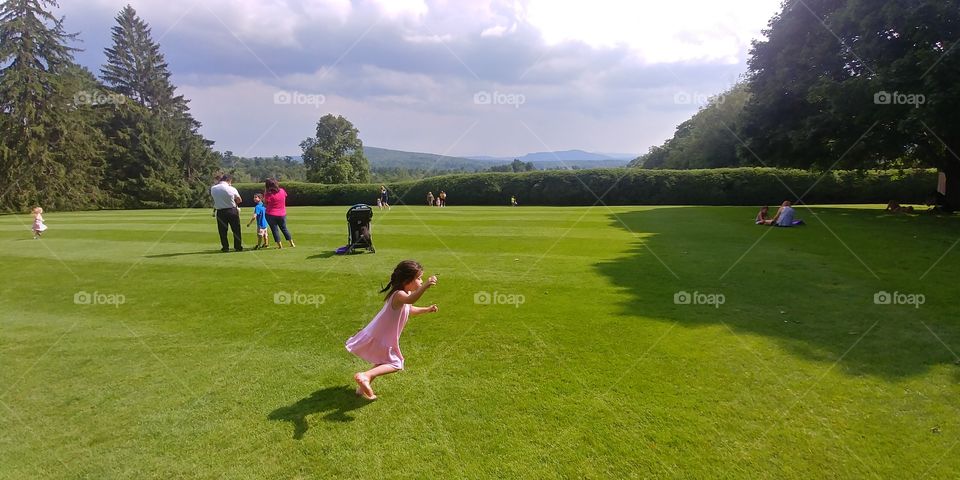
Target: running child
x,y
379,342
38,226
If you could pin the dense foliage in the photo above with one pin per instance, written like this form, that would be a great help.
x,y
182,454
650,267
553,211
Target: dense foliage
x,y
723,186
854,84
335,155
69,141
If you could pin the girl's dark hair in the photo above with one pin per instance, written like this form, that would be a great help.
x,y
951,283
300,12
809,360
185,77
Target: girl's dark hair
x,y
405,271
272,185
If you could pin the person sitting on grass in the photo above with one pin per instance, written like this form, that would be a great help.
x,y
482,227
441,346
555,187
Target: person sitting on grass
x,y
784,216
762,215
260,216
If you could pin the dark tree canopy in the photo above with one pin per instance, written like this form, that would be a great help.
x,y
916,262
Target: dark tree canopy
x,y
858,84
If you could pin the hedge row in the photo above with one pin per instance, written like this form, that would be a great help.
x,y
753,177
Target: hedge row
x,y
621,186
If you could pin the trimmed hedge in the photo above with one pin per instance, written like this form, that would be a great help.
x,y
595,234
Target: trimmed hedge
x,y
630,186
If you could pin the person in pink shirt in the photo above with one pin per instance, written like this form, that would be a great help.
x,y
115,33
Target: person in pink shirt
x,y
275,200
379,342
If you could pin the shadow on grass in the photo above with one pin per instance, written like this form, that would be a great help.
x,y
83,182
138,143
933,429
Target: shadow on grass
x,y
336,401
322,255
181,254
802,287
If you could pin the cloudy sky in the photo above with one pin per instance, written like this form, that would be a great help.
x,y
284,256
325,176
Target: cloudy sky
x,y
454,77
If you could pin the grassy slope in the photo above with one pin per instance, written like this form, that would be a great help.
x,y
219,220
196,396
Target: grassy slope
x,y
598,374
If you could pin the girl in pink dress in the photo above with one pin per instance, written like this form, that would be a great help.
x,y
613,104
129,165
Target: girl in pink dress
x,y
38,226
379,342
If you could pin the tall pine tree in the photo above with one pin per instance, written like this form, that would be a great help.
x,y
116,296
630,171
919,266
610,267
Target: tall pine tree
x,y
158,157
49,148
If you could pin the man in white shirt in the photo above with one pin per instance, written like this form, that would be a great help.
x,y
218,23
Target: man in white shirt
x,y
225,201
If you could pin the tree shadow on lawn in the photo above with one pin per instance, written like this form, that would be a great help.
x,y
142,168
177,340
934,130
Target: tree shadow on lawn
x,y
802,286
336,401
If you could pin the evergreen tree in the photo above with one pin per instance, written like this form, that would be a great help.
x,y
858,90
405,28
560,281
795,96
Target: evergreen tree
x,y
136,68
157,158
48,144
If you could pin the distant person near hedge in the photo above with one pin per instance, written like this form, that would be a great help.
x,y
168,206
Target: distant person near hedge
x,y
513,200
429,199
383,201
225,201
443,198
275,201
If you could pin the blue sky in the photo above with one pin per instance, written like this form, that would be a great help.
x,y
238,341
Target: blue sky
x,y
449,77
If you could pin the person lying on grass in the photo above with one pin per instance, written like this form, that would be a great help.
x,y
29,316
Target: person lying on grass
x,y
894,207
379,342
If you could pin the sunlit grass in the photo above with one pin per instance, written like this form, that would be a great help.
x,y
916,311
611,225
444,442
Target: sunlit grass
x,y
598,373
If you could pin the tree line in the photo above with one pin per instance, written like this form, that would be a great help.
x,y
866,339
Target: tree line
x,y
71,139
859,84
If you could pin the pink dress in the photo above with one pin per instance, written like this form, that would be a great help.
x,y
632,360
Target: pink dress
x,y
379,342
38,225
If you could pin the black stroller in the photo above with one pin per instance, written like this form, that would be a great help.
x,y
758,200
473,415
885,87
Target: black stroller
x,y
358,227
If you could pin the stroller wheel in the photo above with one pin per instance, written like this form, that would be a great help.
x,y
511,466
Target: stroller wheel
x,y
373,250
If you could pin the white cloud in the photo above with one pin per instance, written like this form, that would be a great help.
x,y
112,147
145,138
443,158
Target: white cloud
x,y
656,32
599,75
402,9
498,31
415,38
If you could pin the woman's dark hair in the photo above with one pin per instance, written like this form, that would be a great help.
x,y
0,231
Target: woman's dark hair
x,y
272,185
405,271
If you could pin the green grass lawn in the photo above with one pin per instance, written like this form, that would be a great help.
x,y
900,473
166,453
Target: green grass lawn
x,y
597,374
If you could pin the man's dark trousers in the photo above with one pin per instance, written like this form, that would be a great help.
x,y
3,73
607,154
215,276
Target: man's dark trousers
x,y
231,217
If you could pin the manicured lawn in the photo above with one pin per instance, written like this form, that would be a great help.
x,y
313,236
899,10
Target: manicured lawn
x,y
597,374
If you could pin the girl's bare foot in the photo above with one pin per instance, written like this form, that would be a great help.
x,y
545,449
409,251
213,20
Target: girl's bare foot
x,y
292,245
363,386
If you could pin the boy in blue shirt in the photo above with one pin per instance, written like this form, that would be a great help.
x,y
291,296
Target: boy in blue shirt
x,y
260,215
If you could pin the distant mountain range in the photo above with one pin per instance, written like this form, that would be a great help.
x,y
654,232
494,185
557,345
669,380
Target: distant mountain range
x,y
562,156
384,158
